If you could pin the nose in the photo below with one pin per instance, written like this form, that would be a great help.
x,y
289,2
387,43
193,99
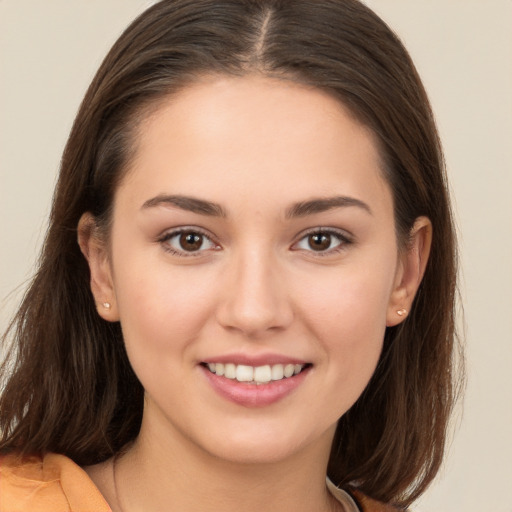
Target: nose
x,y
255,297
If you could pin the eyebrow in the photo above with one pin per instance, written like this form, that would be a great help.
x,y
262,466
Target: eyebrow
x,y
187,203
324,204
301,209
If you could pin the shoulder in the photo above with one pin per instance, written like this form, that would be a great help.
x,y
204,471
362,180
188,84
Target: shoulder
x,y
46,484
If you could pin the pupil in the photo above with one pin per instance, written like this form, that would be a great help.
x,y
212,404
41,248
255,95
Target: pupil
x,y
191,241
319,241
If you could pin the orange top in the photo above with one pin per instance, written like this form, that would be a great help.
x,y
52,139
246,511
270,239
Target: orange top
x,y
55,483
52,484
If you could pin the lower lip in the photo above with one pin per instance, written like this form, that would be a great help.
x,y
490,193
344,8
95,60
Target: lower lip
x,y
254,395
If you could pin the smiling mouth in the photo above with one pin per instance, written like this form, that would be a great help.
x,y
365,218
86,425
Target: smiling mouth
x,y
255,374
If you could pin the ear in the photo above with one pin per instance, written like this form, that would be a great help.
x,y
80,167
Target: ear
x,y
95,250
411,268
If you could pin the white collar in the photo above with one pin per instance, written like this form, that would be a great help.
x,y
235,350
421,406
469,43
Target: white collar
x,y
343,497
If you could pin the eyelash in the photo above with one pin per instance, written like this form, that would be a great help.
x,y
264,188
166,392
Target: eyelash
x,y
342,237
164,240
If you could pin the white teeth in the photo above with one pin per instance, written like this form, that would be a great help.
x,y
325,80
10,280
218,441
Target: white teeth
x,y
244,373
230,371
263,374
289,369
277,372
255,375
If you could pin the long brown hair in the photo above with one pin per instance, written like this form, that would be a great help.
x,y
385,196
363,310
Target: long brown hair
x,y
69,387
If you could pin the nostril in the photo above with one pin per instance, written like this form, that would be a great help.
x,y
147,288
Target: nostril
x,y
254,298
254,319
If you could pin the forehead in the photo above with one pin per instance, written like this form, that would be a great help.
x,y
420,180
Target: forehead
x,y
254,135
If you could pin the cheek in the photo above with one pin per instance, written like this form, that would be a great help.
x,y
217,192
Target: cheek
x,y
352,323
348,318
161,309
348,301
162,314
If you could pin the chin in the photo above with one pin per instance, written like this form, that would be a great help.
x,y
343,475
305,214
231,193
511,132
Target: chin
x,y
258,446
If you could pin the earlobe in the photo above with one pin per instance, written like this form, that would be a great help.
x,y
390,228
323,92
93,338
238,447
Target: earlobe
x,y
412,265
95,251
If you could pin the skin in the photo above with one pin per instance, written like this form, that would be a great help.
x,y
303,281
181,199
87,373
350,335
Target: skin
x,y
255,147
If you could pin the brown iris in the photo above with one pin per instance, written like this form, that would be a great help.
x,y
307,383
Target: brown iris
x,y
319,241
191,241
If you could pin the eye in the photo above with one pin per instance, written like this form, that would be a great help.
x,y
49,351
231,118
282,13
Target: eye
x,y
186,242
322,241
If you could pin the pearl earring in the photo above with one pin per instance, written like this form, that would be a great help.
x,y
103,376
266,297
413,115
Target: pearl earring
x,y
401,312
106,305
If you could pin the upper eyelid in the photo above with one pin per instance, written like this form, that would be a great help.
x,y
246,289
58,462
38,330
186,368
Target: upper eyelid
x,y
343,233
346,239
171,232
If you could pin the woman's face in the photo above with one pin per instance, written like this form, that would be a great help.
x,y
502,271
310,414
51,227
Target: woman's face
x,y
252,236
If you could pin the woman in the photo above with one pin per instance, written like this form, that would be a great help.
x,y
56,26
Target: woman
x,y
248,280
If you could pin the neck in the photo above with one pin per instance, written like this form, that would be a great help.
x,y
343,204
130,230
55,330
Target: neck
x,y
157,471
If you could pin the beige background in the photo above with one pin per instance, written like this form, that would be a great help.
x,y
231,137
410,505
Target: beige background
x,y
49,50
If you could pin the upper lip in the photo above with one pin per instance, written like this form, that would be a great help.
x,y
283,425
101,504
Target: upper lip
x,y
255,360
